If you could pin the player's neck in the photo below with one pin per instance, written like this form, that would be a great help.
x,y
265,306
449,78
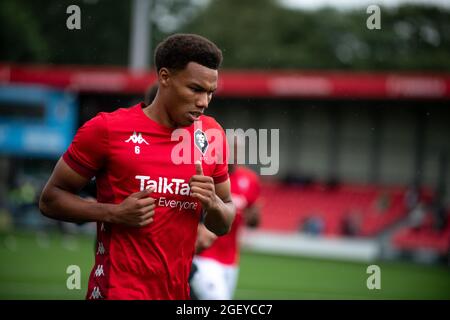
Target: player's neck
x,y
157,113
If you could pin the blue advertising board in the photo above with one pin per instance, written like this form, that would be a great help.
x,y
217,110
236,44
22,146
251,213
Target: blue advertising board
x,y
36,121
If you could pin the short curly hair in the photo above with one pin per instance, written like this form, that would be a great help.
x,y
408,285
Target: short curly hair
x,y
176,51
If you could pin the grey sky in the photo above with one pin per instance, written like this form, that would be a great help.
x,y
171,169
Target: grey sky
x,y
354,4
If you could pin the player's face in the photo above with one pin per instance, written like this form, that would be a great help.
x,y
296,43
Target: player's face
x,y
190,91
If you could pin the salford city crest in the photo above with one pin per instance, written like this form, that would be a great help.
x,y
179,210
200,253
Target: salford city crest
x,y
200,140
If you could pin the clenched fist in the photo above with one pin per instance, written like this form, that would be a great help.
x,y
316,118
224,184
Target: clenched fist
x,y
202,188
137,210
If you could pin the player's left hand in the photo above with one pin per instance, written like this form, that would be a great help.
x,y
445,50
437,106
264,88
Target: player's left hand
x,y
202,188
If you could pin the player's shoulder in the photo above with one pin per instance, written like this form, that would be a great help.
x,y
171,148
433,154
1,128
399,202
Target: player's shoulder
x,y
209,122
120,112
246,172
119,116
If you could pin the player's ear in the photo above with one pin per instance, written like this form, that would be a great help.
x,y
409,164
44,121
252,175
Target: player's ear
x,y
164,76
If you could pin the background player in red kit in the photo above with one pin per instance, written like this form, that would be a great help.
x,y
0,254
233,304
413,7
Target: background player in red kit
x,y
148,202
216,265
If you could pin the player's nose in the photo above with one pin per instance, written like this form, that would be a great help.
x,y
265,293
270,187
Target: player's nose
x,y
202,100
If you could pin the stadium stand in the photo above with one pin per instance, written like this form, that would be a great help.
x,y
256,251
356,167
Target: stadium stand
x,y
374,208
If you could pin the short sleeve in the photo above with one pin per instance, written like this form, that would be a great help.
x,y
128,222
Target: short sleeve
x,y
88,150
254,189
220,173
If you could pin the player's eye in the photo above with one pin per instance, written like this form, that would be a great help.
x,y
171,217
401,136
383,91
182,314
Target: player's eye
x,y
197,90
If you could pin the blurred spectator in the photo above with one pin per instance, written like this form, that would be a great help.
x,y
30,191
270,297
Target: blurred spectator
x,y
440,216
23,200
412,197
351,223
417,216
383,202
313,225
6,221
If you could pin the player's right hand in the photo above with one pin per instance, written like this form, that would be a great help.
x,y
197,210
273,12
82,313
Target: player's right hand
x,y
137,210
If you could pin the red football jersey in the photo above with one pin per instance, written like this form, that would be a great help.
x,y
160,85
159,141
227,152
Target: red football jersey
x,y
127,151
245,189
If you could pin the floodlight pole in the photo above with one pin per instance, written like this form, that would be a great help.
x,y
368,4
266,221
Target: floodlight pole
x,y
139,35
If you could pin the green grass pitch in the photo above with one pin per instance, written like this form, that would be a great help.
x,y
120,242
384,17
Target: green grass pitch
x,y
33,266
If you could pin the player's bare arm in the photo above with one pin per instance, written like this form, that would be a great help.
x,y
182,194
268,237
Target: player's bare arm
x,y
205,238
252,215
59,200
215,199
